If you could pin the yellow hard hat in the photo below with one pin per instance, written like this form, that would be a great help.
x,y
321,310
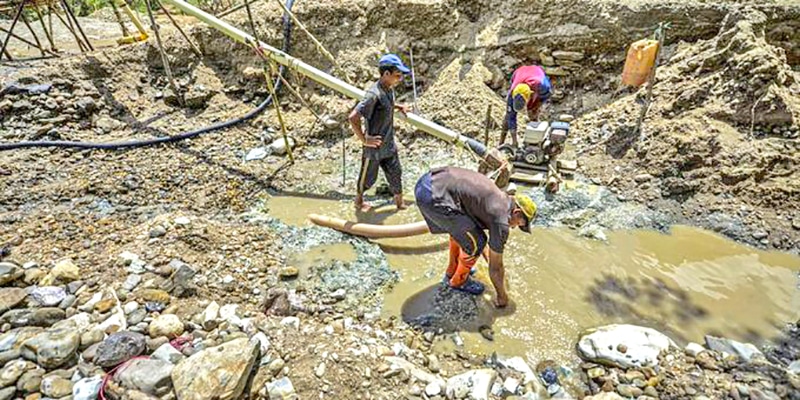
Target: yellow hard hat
x,y
528,207
521,94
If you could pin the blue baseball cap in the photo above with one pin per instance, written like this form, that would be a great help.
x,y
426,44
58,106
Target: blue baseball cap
x,y
392,60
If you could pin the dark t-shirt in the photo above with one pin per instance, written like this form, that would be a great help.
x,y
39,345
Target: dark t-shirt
x,y
475,195
377,107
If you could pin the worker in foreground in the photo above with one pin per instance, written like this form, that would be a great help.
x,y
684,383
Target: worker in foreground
x,y
379,150
464,203
530,88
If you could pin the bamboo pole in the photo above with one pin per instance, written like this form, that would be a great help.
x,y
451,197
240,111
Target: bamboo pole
x,y
276,103
164,59
11,29
33,33
26,41
47,33
185,36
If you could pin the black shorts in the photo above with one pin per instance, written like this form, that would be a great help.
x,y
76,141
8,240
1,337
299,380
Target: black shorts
x,y
391,169
441,219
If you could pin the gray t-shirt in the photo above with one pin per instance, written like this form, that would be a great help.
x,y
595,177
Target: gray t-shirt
x,y
473,194
377,107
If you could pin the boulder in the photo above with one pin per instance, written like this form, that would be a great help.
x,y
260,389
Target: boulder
x,y
219,373
623,346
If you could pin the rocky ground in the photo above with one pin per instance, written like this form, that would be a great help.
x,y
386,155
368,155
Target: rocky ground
x,y
168,253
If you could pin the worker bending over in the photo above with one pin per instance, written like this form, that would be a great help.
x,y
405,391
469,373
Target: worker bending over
x,y
464,203
379,150
530,88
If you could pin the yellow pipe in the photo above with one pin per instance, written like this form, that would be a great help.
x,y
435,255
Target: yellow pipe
x,y
142,32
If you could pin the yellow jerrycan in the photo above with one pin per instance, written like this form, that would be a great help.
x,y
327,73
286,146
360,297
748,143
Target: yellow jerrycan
x,y
640,60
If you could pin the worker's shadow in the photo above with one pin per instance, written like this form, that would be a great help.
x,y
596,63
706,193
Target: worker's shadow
x,y
438,307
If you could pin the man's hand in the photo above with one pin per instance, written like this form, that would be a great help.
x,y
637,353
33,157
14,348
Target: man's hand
x,y
372,141
403,108
497,275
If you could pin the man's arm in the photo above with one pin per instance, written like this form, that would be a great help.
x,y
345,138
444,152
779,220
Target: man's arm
x,y
497,274
533,112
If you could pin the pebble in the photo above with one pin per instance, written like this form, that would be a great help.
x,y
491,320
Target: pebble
x,y
56,387
281,389
288,273
166,352
87,388
91,337
433,363
12,371
158,231
276,366
48,296
320,370
131,282
31,381
52,348
118,348
168,325
11,297
433,389
293,322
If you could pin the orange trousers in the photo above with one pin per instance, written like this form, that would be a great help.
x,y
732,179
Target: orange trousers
x,y
460,264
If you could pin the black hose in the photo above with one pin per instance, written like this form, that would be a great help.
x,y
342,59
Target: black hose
x,y
287,30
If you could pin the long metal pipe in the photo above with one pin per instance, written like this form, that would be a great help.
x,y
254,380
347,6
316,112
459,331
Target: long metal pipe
x,y
324,78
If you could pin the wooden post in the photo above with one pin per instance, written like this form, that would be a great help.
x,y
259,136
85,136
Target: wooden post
x,y
47,33
71,14
33,33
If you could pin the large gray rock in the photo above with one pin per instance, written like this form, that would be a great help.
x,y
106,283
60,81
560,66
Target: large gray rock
x,y
623,346
219,373
745,351
118,348
33,316
48,296
87,388
13,339
10,298
51,348
9,273
148,376
56,387
475,384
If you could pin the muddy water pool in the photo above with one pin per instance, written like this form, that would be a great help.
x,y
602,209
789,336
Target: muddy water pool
x,y
687,283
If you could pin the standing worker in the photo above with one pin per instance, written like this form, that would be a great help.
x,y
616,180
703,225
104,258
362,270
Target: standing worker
x,y
530,88
464,203
379,150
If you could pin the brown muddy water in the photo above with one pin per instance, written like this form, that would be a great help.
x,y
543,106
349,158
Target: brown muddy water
x,y
688,283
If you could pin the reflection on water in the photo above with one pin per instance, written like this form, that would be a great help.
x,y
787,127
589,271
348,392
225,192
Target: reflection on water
x,y
688,283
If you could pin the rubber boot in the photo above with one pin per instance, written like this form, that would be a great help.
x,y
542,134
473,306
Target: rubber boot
x,y
452,265
461,279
